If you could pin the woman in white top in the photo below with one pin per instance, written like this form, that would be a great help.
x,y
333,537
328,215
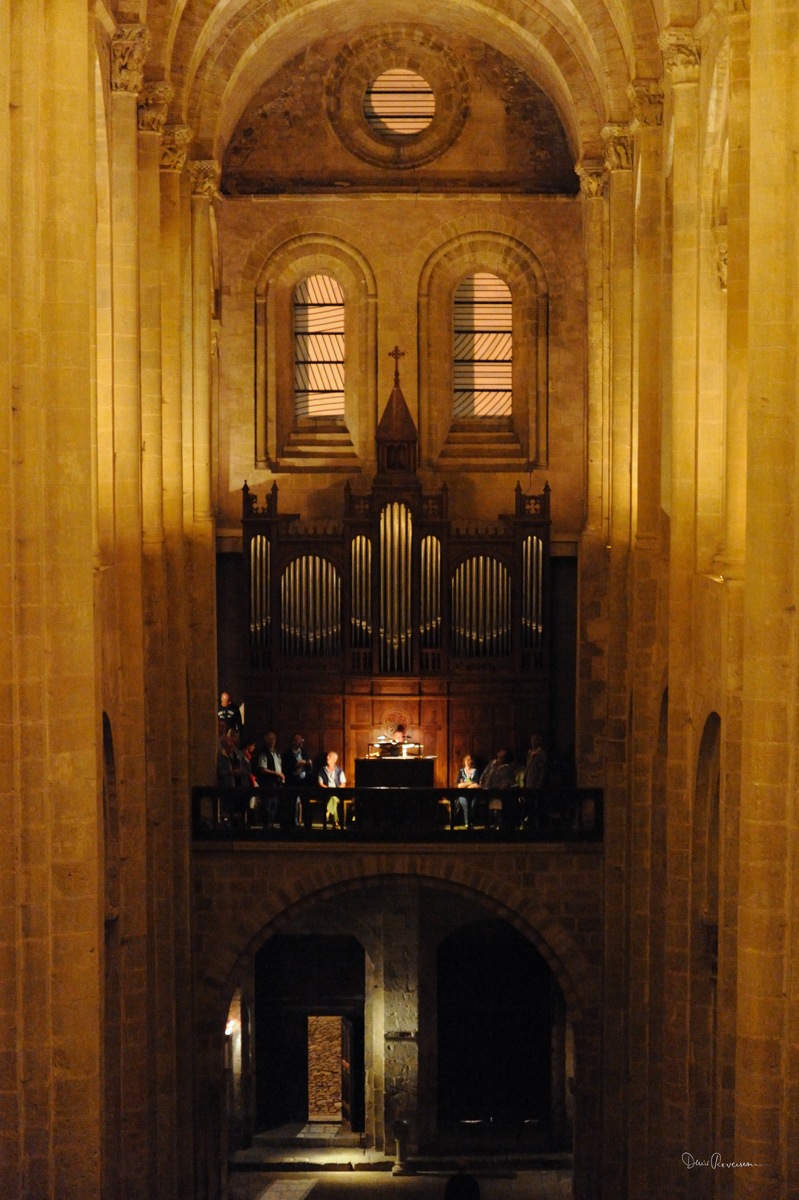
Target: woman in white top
x,y
332,776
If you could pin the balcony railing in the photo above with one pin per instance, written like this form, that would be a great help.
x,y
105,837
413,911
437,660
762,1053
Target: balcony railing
x,y
396,814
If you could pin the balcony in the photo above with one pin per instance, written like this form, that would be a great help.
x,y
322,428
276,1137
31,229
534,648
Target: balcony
x,y
396,815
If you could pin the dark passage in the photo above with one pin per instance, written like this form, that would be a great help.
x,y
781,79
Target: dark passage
x,y
297,977
494,1033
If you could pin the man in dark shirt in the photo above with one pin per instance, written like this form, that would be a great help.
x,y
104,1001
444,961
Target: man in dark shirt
x,y
229,713
298,770
535,778
270,776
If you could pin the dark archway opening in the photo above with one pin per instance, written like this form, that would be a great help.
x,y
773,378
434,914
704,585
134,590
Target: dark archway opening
x,y
299,979
502,1043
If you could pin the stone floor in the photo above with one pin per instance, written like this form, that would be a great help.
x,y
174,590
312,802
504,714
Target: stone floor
x,y
341,1185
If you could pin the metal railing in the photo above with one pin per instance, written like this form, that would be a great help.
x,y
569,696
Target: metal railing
x,y
351,814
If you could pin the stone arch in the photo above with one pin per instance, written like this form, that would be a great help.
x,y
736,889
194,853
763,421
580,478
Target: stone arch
x,y
582,62
504,899
512,260
223,963
274,267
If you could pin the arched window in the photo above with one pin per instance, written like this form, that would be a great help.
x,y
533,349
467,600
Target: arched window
x,y
483,366
319,348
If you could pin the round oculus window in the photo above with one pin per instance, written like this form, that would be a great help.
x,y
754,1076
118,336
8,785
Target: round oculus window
x,y
397,98
399,103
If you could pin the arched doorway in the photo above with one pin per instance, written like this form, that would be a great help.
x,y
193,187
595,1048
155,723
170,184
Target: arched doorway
x,y
389,994
501,1040
309,1022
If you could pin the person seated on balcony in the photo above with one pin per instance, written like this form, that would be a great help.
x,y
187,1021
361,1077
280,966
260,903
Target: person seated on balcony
x,y
298,770
269,773
468,777
229,713
332,776
535,778
499,774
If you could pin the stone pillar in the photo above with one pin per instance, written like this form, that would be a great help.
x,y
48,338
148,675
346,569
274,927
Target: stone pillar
x,y
592,687
401,1017
681,56
619,312
174,143
50,858
767,1066
731,565
152,110
592,682
202,610
128,50
647,652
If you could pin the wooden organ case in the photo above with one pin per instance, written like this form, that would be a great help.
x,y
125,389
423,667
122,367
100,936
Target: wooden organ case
x,y
396,614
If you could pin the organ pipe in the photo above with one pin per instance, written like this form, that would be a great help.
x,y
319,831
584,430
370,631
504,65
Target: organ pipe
x,y
361,619
532,593
259,600
395,588
430,622
310,600
481,608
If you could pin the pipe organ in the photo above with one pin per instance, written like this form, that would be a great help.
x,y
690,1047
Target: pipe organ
x,y
310,608
395,599
481,608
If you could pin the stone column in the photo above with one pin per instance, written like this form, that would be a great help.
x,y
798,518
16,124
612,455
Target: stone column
x,y
128,50
681,56
50,858
647,652
594,626
767,1066
592,683
202,610
401,1017
731,565
174,144
619,312
152,110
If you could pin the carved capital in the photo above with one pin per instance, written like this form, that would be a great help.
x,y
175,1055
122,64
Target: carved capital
x,y
592,179
680,54
129,47
205,174
618,147
174,147
647,101
153,106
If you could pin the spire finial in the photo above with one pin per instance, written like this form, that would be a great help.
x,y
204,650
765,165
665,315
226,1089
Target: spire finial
x,y
396,354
